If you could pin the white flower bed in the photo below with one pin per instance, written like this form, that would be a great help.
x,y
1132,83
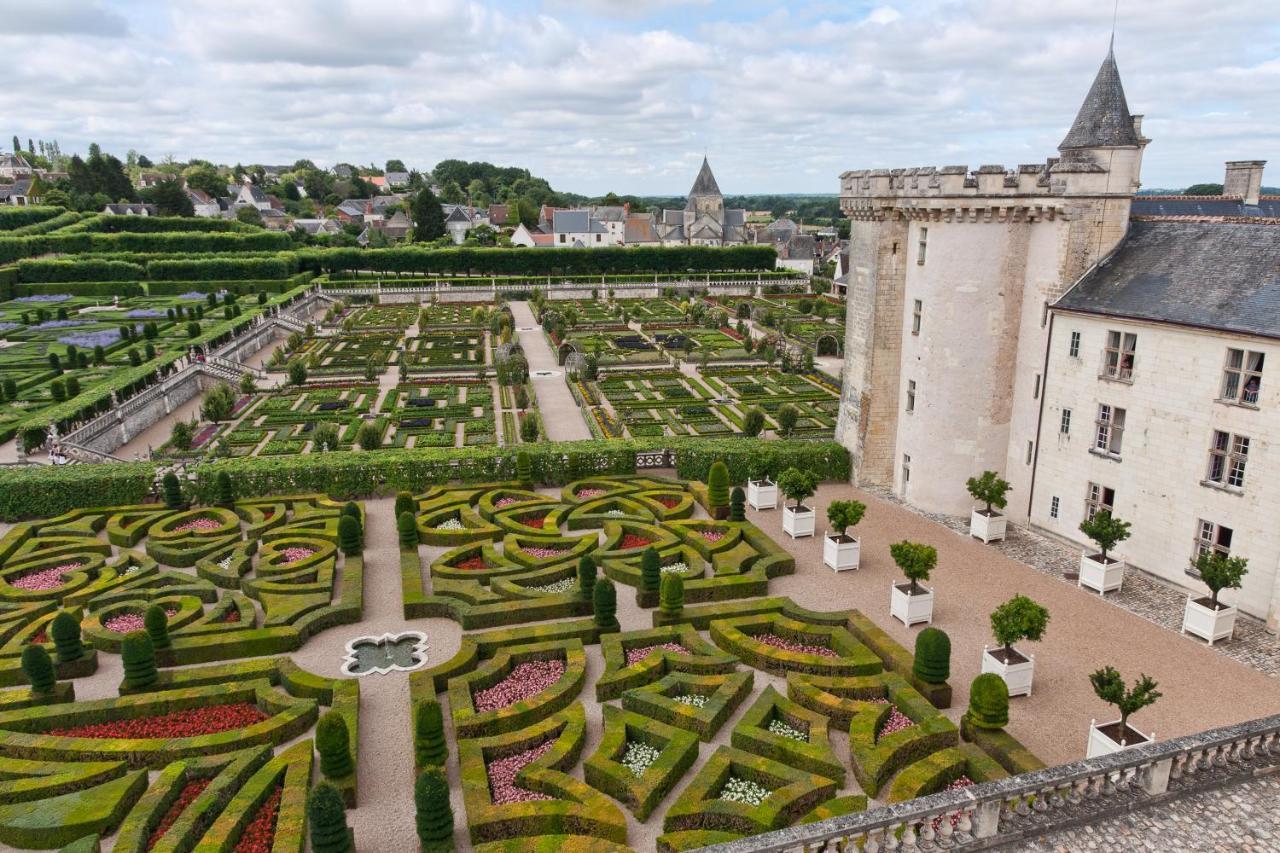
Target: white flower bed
x,y
693,699
674,568
616,513
451,524
780,727
737,790
225,563
556,588
638,757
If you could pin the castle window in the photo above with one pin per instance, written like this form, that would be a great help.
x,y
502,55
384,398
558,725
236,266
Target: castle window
x,y
923,246
1035,394
911,396
917,312
1228,456
1242,377
1054,505
1073,349
1064,426
1119,355
1110,430
906,470
1098,498
1211,539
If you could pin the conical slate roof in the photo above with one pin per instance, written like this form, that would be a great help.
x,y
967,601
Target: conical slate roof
x,y
1104,120
705,183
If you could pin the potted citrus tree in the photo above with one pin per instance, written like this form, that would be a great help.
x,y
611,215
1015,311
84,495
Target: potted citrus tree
x,y
762,493
910,602
840,551
1118,734
1100,571
1019,618
796,484
1206,617
988,524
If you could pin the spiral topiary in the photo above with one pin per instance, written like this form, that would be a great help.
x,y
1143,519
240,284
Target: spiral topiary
x,y
718,488
404,503
349,535
351,508
738,505
933,656
65,631
172,491
604,599
524,470
38,668
586,576
988,702
156,621
407,529
327,818
139,658
429,746
650,570
434,812
226,495
671,600
333,742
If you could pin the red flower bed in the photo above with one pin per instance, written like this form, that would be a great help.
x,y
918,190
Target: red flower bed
x,y
633,540
232,615
189,723
668,502
792,646
527,679
472,564
40,638
259,834
503,772
535,523
731,333
204,435
188,794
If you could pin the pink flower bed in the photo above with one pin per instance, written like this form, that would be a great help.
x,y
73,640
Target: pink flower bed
x,y
501,502
43,579
204,435
635,655
896,722
124,623
589,493
792,646
954,817
712,535
527,679
546,553
296,553
503,772
198,524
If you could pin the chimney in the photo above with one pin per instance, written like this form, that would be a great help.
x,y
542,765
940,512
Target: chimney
x,y
1244,180
1137,126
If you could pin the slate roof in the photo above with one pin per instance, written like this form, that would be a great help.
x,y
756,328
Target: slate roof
x,y
571,222
705,183
1213,275
1190,205
1104,119
609,212
458,214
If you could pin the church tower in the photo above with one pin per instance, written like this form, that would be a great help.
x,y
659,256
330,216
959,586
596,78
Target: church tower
x,y
705,196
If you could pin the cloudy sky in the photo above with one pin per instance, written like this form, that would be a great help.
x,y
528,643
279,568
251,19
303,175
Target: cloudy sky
x,y
626,95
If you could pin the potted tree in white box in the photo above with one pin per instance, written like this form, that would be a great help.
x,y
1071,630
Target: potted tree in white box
x,y
988,524
762,493
840,551
1206,617
796,484
1118,734
1099,571
1019,618
910,602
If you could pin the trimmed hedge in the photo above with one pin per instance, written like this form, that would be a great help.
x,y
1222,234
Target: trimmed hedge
x,y
41,270
724,694
897,658
931,774
468,722
677,751
1007,750
45,491
875,758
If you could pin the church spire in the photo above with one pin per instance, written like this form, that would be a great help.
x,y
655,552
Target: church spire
x,y
1104,120
705,183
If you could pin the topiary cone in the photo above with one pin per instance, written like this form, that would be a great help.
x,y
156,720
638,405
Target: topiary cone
x,y
404,503
738,505
429,745
671,600
333,742
407,529
156,621
226,496
586,577
38,668
717,489
434,812
604,599
988,702
327,818
65,631
650,570
524,470
172,491
932,663
139,658
349,535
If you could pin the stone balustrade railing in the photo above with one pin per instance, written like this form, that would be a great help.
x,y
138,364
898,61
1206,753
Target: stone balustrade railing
x,y
428,287
1004,811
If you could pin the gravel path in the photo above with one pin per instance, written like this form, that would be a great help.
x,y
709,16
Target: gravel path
x,y
561,417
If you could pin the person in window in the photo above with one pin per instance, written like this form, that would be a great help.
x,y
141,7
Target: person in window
x,y
1251,390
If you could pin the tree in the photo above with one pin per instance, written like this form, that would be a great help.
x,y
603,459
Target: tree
x,y
788,416
1105,530
404,503
181,435
369,436
65,631
932,662
247,385
845,514
350,535
226,494
529,428
1219,572
38,668
738,504
718,488
139,659
1203,189
428,217
395,166
429,746
407,530
798,485
916,560
753,422
297,372
327,819
207,180
333,742
434,818
172,491
650,570
586,577
156,621
1109,686
990,489
671,595
324,437
1019,618
218,403
604,598
249,215
171,199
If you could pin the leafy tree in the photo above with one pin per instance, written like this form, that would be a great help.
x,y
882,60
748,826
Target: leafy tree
x,y
1219,572
297,372
247,385
324,437
1019,618
916,560
586,576
798,485
429,746
38,668
369,436
1110,688
529,428
395,166
249,215
333,742
845,514
218,403
1203,189
990,489
788,416
428,217
753,422
207,180
327,820
434,818
171,199
1105,530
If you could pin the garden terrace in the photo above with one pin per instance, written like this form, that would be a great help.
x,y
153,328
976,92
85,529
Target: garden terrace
x,y
282,422
611,346
444,413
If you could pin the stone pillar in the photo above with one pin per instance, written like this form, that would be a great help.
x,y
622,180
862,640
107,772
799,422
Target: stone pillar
x,y
986,819
1155,777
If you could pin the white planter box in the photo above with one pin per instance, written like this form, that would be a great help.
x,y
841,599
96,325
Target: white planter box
x,y
1102,744
1017,676
988,528
1099,576
910,609
1207,623
798,524
840,555
762,494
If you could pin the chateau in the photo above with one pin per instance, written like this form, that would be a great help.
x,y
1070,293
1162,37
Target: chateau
x,y
1098,349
